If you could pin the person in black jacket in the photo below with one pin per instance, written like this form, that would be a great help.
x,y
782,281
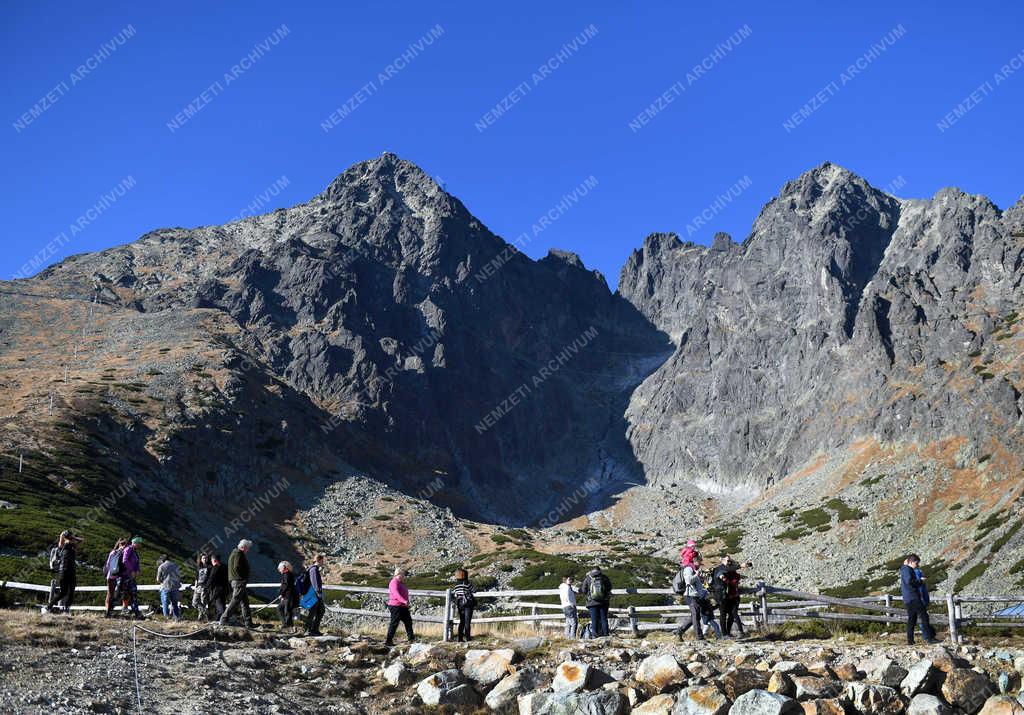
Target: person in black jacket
x,y
201,588
219,586
598,589
289,598
63,586
910,589
464,596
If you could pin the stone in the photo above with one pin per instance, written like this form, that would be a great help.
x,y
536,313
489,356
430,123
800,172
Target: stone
x,y
700,700
523,646
811,687
874,699
922,677
884,670
420,653
782,684
742,680
821,669
487,667
925,704
571,676
398,675
503,697
700,670
601,702
790,667
449,687
829,706
660,672
1002,705
761,702
532,703
847,672
658,705
967,689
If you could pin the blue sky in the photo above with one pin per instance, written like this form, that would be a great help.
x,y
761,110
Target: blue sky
x,y
712,130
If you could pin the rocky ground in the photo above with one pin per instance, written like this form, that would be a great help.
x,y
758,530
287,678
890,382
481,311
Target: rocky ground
x,y
86,664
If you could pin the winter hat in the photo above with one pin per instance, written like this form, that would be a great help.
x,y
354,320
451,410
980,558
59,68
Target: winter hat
x,y
691,542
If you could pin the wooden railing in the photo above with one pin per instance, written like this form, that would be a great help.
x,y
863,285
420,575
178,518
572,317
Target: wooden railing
x,y
768,605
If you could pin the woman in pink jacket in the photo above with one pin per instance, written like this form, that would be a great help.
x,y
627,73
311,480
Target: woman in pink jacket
x,y
398,605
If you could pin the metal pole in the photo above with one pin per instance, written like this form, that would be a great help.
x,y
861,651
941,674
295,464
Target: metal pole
x,y
447,615
21,461
533,612
954,637
634,622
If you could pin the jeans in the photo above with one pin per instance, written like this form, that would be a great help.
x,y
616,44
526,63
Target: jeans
x,y
599,619
916,610
399,614
571,621
465,621
170,603
239,599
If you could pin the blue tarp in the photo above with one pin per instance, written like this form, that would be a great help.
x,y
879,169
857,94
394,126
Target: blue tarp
x,y
1017,610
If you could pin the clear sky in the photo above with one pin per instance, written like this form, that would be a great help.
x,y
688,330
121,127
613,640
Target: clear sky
x,y
90,89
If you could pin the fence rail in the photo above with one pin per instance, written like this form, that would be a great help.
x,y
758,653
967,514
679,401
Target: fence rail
x,y
769,605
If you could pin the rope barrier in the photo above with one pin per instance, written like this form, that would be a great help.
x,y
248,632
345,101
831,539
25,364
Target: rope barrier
x,y
173,635
135,662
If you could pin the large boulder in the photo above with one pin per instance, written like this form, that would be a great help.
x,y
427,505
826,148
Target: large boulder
x,y
420,653
658,705
700,700
449,687
830,706
533,703
571,676
922,677
657,673
967,689
398,675
884,670
848,672
601,702
782,684
874,699
1002,705
503,696
487,667
811,687
790,667
761,702
925,704
742,680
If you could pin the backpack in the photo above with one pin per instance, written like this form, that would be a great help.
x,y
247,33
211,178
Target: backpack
x,y
302,584
465,599
597,591
114,563
718,585
679,583
55,558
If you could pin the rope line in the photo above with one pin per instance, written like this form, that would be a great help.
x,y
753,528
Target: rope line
x,y
173,635
135,662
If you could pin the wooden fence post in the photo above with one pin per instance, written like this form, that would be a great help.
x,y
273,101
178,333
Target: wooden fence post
x,y
954,636
888,604
535,624
634,622
763,593
447,616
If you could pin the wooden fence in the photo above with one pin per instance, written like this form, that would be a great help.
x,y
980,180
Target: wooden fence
x,y
765,606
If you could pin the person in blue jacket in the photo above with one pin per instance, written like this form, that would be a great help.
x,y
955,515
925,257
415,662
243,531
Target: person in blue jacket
x,y
914,594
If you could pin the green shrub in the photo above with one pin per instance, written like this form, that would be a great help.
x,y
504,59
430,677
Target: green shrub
x,y
792,534
1002,540
970,575
843,511
812,518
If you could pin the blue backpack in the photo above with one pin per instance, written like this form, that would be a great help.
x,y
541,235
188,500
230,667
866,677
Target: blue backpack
x,y
307,594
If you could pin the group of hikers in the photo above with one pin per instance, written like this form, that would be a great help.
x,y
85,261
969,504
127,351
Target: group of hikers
x,y
221,590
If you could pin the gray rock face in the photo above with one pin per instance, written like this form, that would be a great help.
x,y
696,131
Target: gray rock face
x,y
846,313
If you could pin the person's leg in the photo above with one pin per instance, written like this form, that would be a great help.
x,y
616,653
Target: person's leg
x,y
235,603
911,622
133,597
68,596
461,631
604,620
698,632
176,602
244,603
595,620
320,608
109,603
570,621
282,609
723,616
469,623
163,601
392,624
407,620
736,615
926,625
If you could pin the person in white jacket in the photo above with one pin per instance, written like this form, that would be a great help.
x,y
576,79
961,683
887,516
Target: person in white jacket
x,y
696,596
567,597
169,577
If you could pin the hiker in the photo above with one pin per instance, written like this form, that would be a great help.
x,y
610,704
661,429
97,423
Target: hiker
x,y
598,589
465,600
315,579
926,597
62,562
169,577
687,555
219,586
201,588
688,584
725,587
112,572
238,574
131,565
398,605
567,597
289,598
910,588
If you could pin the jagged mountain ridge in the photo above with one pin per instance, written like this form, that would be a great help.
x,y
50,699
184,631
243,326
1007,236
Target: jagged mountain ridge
x,y
846,314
